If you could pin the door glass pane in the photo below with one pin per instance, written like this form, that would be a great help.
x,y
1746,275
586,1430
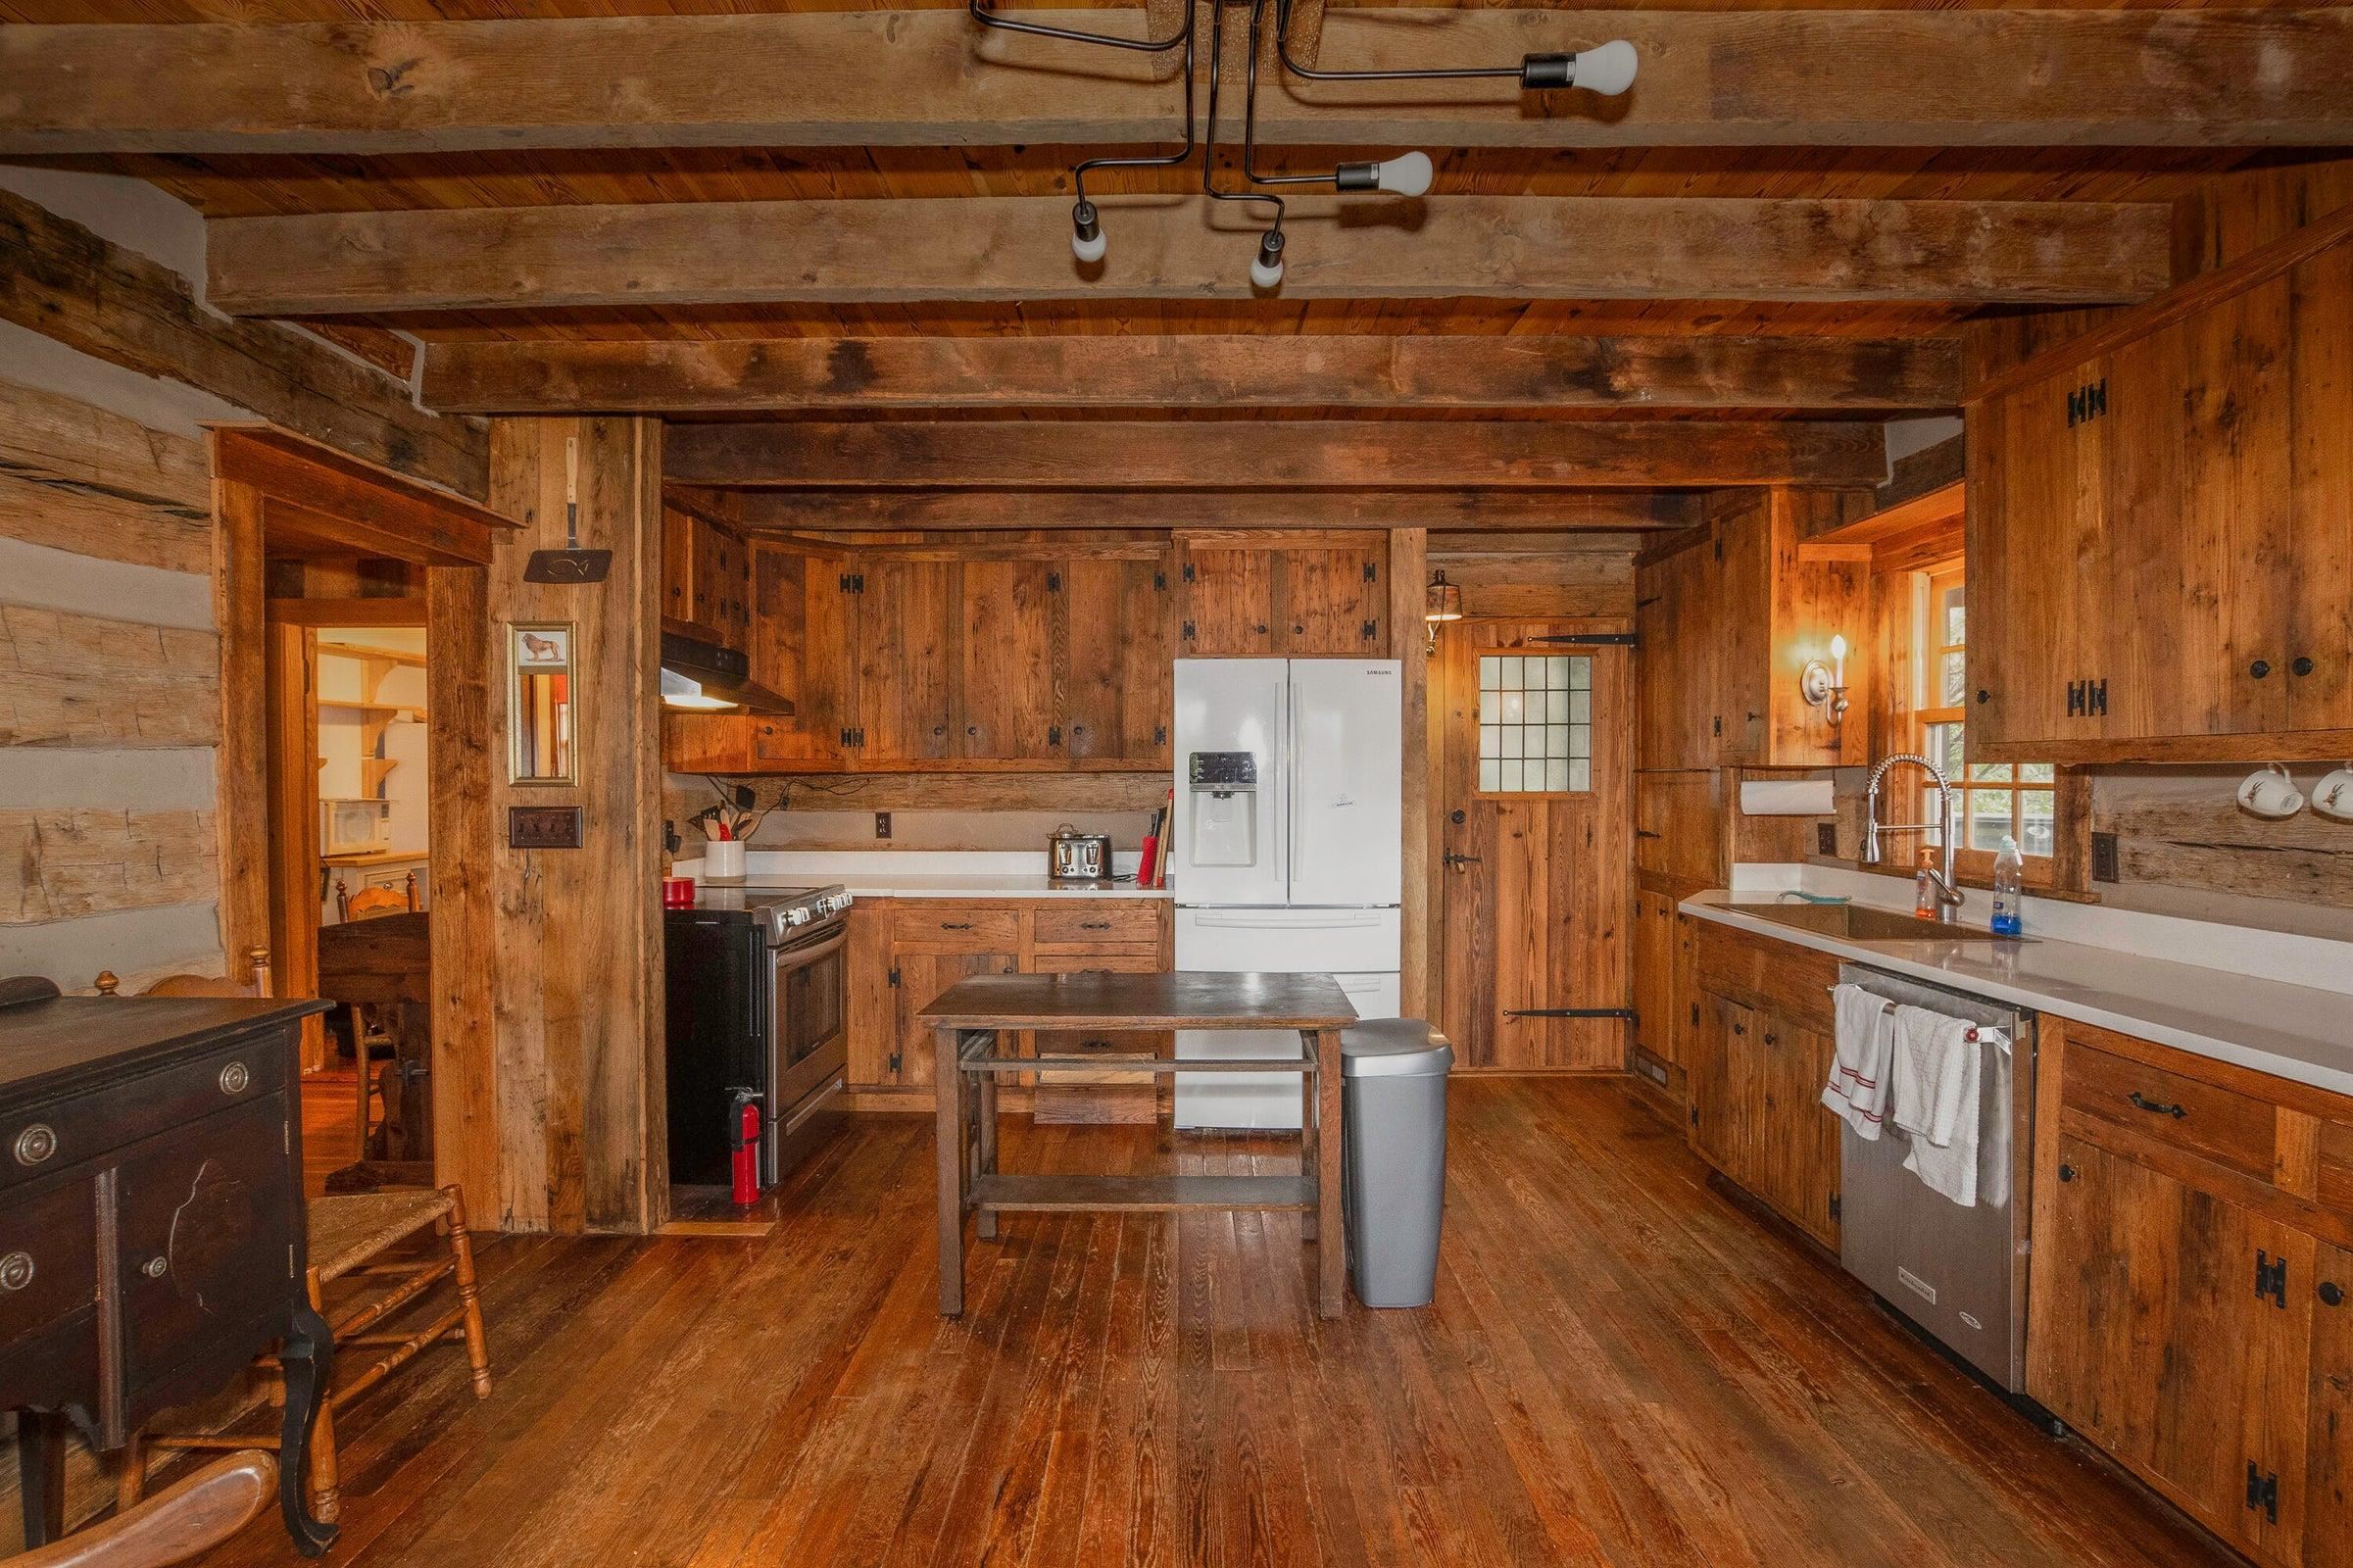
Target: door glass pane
x,y
1535,730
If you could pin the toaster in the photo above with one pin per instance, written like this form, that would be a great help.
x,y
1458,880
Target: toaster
x,y
1075,857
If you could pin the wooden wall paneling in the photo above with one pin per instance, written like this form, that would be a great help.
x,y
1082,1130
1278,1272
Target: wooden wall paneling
x,y
61,862
1407,573
64,282
579,984
1676,704
243,815
1738,624
1681,829
462,662
161,683
1810,601
1546,579
2320,390
1005,638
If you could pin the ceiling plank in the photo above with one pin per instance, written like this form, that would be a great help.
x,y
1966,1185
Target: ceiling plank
x,y
1795,77
1192,370
1467,513
1018,249
1122,455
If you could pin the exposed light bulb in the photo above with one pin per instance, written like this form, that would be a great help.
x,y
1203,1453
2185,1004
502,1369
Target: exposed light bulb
x,y
1607,70
1838,646
1088,241
1407,174
1266,268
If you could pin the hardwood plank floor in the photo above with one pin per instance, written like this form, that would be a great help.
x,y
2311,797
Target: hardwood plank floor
x,y
1623,1366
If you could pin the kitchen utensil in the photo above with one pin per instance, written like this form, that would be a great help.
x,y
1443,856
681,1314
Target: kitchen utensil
x,y
1075,857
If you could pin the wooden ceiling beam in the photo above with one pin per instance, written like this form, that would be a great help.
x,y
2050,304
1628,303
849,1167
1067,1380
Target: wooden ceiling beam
x,y
1014,249
1305,453
1466,513
1802,78
1363,371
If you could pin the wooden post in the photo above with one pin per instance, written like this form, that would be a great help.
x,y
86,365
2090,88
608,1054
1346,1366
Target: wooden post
x,y
948,1099
1408,640
1331,1244
459,664
243,764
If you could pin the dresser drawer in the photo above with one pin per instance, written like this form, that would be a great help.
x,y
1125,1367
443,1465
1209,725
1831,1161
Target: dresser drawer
x,y
2231,1129
66,1132
955,929
1096,923
48,1259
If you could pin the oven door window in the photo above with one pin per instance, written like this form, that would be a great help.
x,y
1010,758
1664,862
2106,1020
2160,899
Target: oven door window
x,y
811,985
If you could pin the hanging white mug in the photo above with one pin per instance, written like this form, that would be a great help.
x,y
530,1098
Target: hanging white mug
x,y
2270,791
2333,795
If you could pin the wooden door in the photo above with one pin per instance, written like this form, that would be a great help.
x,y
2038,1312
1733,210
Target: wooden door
x,y
2328,1492
1796,1149
1537,888
1229,599
1333,600
1008,612
1720,1082
917,975
907,622
2319,610
2196,546
1677,677
2149,1336
1114,643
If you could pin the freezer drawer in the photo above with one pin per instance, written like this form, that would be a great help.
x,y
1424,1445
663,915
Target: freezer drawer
x,y
1289,941
1262,1099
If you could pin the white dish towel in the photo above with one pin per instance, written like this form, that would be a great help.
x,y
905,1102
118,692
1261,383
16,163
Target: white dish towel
x,y
1858,1073
1933,1093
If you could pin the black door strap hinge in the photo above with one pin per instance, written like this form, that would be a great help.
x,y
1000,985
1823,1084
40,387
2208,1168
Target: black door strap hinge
x,y
1626,1013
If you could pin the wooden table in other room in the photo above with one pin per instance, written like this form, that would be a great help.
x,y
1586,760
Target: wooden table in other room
x,y
973,1016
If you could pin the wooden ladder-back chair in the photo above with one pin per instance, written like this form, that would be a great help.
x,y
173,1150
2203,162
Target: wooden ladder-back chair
x,y
175,1525
369,903
350,1235
254,983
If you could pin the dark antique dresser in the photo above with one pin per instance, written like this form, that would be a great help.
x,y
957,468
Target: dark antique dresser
x,y
151,1222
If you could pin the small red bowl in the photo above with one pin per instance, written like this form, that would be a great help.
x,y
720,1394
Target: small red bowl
x,y
677,892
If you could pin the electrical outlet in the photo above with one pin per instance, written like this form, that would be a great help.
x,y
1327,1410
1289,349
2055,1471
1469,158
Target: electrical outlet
x,y
2103,858
882,824
1825,838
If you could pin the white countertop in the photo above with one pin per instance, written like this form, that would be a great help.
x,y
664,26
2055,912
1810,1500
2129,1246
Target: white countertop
x,y
926,874
2298,1032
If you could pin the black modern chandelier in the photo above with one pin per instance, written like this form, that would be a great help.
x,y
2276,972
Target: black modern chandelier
x,y
1608,69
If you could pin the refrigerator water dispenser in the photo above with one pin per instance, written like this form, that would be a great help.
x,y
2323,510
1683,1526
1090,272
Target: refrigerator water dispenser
x,y
1225,808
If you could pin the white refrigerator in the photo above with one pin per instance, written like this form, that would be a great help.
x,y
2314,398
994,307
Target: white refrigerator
x,y
1287,852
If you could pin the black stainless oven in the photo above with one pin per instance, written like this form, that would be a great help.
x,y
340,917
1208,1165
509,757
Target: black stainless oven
x,y
757,1000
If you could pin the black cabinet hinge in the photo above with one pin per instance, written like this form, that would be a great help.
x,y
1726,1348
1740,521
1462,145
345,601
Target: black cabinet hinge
x,y
1053,734
1369,630
1838,1206
2075,699
2096,695
1159,735
1159,582
1189,573
2271,1279
2263,1490
852,739
894,984
1695,1014
1372,572
853,582
1188,631
1053,582
2086,403
896,1063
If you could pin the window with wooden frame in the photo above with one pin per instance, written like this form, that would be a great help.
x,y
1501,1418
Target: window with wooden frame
x,y
1990,800
1535,723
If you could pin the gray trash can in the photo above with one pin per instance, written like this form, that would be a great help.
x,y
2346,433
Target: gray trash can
x,y
1393,1156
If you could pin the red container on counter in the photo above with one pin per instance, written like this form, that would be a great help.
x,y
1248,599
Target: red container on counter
x,y
677,892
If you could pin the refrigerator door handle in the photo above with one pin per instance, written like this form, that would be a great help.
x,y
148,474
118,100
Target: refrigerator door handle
x,y
1281,920
1291,784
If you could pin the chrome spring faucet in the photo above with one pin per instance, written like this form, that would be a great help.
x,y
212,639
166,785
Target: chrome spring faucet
x,y
1947,893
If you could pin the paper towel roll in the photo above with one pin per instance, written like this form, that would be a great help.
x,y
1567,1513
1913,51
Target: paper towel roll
x,y
1785,797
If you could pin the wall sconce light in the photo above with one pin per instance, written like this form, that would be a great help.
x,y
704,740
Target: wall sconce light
x,y
1441,602
1825,685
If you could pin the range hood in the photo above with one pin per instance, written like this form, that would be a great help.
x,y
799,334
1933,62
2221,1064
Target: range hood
x,y
701,675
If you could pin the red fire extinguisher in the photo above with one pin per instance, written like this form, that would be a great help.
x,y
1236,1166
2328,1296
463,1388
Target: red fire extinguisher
x,y
742,1144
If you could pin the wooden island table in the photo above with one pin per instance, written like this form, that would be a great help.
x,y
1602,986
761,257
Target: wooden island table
x,y
971,1018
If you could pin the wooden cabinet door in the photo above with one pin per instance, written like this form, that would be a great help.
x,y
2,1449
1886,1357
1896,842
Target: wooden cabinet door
x,y
1115,642
1720,1082
2148,1336
2195,548
1658,1004
906,622
2327,1500
1006,638
1737,587
1798,1137
1229,599
678,531
800,646
1677,717
918,976
1333,600
2320,611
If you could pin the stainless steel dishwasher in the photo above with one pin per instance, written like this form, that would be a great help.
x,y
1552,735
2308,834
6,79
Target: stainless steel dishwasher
x,y
1959,1273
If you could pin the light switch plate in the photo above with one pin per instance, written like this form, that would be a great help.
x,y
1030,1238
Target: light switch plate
x,y
2104,868
1825,838
543,827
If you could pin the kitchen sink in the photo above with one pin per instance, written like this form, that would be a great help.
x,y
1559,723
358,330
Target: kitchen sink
x,y
1859,924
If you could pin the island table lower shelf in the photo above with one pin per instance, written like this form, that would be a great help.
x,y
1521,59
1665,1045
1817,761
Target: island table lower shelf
x,y
970,1017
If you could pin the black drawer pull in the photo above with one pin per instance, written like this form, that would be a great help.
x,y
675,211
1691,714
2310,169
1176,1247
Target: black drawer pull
x,y
2332,1293
2067,1173
955,925
2260,668
1094,925
2156,1107
35,1143
2302,666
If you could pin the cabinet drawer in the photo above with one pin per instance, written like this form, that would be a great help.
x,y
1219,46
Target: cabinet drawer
x,y
48,1138
48,1259
1782,976
958,929
1091,923
2229,1128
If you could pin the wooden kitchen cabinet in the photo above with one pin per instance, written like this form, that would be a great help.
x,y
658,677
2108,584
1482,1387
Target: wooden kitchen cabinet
x,y
1294,593
2160,555
1661,974
706,577
2192,1305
